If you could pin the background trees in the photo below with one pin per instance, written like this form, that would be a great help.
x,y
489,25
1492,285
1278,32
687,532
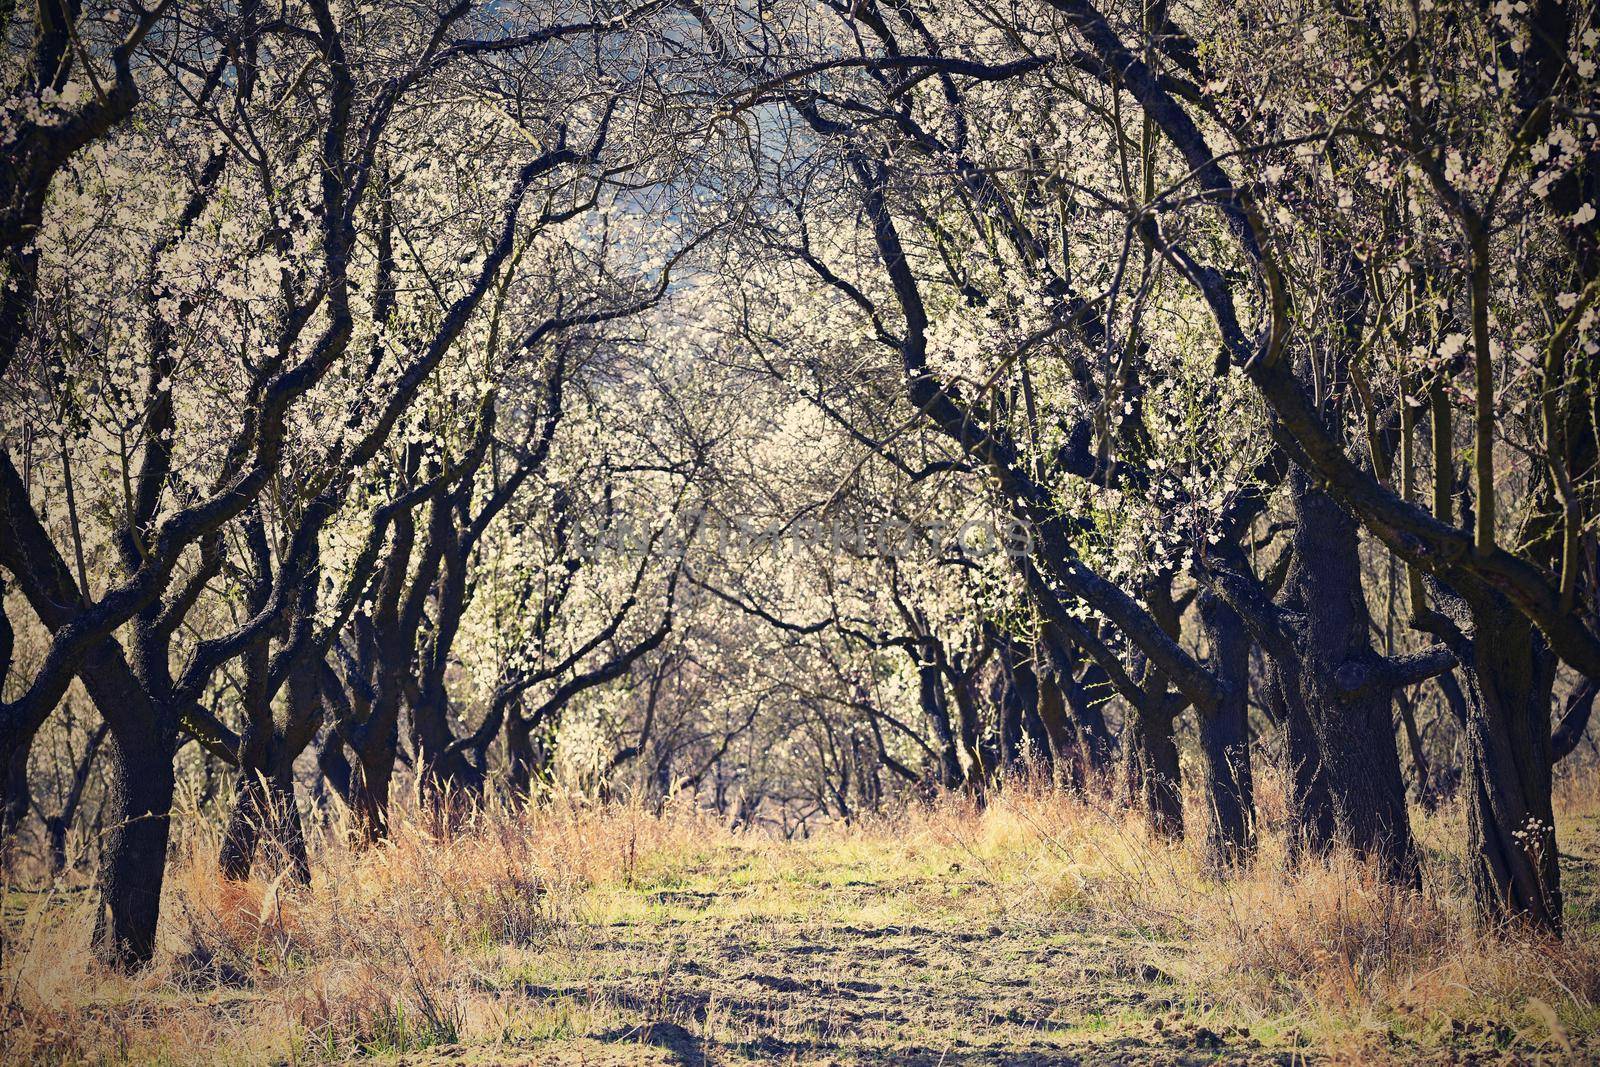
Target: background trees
x,y
805,406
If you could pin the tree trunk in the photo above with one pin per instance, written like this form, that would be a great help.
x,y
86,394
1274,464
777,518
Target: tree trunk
x,y
335,767
55,834
134,860
249,811
1350,751
289,832
1311,823
17,797
264,814
1150,777
265,820
1151,781
1509,676
1024,737
1065,762
1086,698
528,757
369,788
1011,695
936,707
251,803
1225,741
519,759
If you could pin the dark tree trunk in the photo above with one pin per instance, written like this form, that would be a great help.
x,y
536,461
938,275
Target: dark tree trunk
x,y
134,860
265,815
1311,823
1509,675
1073,717
1151,782
1352,751
17,798
1150,776
1454,698
369,785
375,741
982,758
55,834
265,823
252,804
522,758
335,767
250,809
1012,743
1065,762
936,708
1086,697
1033,731
443,767
1023,737
1225,741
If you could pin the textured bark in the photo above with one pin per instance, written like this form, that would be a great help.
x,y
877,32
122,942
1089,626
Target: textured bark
x,y
265,824
369,785
1150,777
936,709
264,814
1225,741
1344,760
1015,688
1509,673
1024,738
1086,696
135,856
17,797
1310,803
1151,781
1056,720
336,772
443,766
526,756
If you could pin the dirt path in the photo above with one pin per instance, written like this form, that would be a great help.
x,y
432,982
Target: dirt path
x,y
828,966
948,948
771,957
918,994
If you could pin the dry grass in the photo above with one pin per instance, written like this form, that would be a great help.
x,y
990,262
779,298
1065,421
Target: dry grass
x,y
504,935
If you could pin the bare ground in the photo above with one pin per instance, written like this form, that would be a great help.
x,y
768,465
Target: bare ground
x,y
692,979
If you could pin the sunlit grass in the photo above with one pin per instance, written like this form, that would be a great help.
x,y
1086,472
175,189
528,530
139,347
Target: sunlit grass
x,y
504,933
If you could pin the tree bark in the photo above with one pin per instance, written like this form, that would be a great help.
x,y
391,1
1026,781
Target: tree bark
x,y
1509,674
134,859
1225,741
369,785
1341,734
265,823
17,796
936,708
1150,776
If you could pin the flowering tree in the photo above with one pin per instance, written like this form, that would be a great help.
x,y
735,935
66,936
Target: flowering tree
x,y
796,404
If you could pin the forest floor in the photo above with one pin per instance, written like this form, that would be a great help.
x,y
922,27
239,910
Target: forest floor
x,y
1039,931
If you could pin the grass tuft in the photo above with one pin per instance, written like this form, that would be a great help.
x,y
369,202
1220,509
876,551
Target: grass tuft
x,y
1041,916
